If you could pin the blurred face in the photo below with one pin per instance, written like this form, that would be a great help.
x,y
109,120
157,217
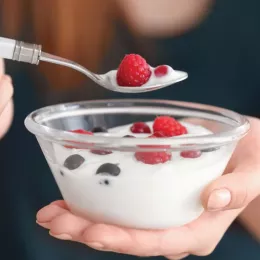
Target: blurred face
x,y
164,17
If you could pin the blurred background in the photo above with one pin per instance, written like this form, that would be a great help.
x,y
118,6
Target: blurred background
x,y
215,41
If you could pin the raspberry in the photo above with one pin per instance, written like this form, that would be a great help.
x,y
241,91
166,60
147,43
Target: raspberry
x,y
81,131
133,71
191,154
78,131
140,128
158,135
161,71
154,157
168,126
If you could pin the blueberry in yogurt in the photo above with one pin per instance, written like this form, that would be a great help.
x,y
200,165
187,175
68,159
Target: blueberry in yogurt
x,y
108,169
73,162
99,129
104,182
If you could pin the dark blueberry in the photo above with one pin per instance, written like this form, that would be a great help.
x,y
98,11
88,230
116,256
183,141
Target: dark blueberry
x,y
61,173
207,150
108,169
129,136
74,161
99,129
104,182
101,152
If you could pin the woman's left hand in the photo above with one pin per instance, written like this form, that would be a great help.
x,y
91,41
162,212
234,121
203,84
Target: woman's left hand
x,y
223,199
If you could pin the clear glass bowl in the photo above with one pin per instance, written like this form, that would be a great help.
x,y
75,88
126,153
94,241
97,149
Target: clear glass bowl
x,y
101,179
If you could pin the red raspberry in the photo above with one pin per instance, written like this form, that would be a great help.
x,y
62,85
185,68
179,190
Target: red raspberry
x,y
78,131
154,157
158,135
191,154
81,131
168,126
161,71
133,71
140,128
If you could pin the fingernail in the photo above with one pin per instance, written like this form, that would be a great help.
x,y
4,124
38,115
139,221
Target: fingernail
x,y
219,199
62,236
42,224
96,245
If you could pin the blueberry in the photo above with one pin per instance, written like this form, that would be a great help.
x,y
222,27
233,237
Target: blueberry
x,y
61,173
129,136
74,161
99,129
104,182
108,169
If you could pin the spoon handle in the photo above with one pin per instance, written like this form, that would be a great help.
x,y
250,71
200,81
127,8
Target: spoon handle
x,y
68,63
20,51
32,53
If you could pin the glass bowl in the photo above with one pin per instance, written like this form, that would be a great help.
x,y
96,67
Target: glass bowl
x,y
141,182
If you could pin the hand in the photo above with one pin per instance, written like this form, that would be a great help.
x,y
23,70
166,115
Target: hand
x,y
6,104
223,199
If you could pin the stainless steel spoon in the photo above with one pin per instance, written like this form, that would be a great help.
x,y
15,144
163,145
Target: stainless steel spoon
x,y
32,53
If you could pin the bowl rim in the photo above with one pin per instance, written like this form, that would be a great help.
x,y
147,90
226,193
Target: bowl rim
x,y
177,143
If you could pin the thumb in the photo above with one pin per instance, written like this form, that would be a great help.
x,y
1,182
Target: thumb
x,y
231,191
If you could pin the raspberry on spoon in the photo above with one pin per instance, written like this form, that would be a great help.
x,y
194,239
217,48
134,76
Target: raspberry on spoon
x,y
161,71
133,71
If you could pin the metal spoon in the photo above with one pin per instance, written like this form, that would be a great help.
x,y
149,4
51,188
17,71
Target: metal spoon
x,y
31,53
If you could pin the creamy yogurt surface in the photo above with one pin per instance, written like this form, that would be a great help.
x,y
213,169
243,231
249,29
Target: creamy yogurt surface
x,y
171,77
132,193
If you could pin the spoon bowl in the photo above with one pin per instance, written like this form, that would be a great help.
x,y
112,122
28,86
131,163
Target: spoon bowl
x,y
110,79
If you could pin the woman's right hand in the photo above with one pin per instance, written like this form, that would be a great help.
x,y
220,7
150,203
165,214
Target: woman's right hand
x,y
6,102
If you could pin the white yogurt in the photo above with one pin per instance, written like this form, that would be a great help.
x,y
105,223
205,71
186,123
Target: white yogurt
x,y
142,195
171,77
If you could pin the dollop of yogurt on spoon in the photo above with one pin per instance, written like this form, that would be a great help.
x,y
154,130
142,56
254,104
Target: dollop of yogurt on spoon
x,y
134,74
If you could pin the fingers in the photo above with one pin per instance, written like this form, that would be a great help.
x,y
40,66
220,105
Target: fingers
x,y
6,92
60,203
48,213
6,118
64,225
61,223
2,67
231,191
173,243
138,242
6,104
